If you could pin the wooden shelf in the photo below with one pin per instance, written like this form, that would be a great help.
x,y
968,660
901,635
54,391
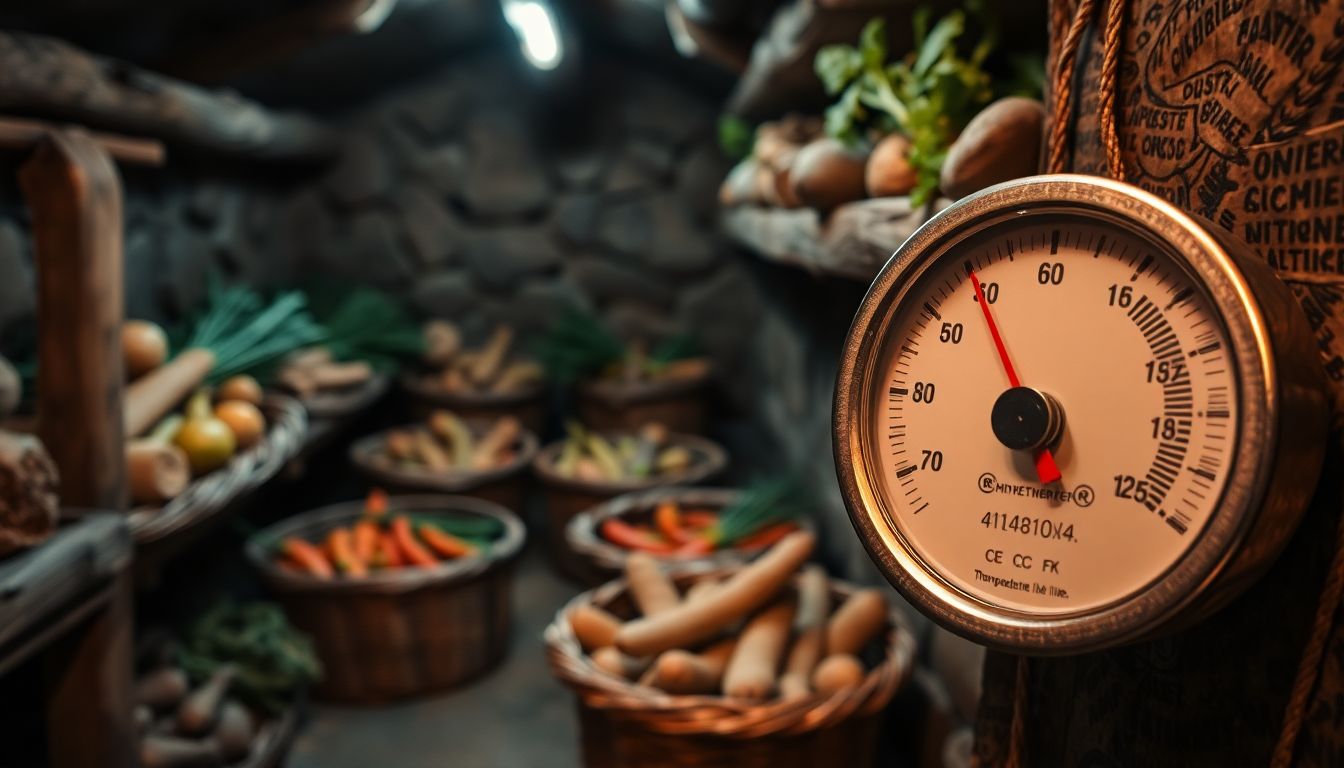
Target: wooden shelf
x,y
67,603
48,588
853,242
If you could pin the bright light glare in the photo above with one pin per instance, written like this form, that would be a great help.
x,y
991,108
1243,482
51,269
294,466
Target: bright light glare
x,y
535,27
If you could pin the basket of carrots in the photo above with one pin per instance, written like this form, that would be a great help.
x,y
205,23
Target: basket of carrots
x,y
685,524
765,664
485,382
484,458
401,595
588,468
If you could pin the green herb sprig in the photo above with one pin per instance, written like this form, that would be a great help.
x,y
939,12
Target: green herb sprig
x,y
929,95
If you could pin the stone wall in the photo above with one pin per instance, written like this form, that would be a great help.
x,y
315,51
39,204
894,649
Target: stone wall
x,y
475,200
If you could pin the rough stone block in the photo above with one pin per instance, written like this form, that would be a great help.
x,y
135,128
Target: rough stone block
x,y
658,232
500,257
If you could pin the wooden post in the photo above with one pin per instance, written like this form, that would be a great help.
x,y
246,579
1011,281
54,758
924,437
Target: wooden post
x,y
89,683
74,195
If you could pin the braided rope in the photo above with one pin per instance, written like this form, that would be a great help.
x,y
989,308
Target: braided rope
x,y
1106,109
1064,65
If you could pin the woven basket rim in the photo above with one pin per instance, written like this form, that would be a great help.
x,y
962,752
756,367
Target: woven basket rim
x,y
582,535
502,551
709,459
660,712
287,425
414,383
331,405
618,393
456,482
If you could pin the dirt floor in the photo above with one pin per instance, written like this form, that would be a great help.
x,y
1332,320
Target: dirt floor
x,y
516,717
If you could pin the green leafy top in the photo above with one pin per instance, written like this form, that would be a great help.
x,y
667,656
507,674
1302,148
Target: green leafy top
x,y
272,659
929,95
581,345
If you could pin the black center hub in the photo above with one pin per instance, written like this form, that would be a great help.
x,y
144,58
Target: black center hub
x,y
1025,419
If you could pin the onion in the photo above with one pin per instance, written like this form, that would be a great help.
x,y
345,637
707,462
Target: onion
x,y
144,347
242,387
244,420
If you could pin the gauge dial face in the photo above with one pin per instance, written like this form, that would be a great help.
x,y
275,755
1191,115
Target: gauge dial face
x,y
1062,450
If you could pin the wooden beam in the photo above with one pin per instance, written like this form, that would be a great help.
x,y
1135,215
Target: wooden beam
x,y
74,196
23,135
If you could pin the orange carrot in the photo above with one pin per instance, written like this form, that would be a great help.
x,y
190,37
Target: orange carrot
x,y
307,556
767,536
366,540
375,504
668,519
389,555
445,543
623,534
341,550
411,549
696,546
699,518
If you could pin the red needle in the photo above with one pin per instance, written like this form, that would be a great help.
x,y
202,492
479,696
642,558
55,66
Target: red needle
x,y
1046,468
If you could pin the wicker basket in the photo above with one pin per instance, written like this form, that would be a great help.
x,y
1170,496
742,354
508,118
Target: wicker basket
x,y
406,632
287,426
678,404
566,497
625,725
604,560
506,485
527,405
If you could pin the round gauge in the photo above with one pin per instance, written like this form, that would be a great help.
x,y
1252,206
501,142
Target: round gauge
x,y
1068,415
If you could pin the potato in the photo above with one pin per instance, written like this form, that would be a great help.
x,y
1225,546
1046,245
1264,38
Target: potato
x,y
826,174
889,172
1001,143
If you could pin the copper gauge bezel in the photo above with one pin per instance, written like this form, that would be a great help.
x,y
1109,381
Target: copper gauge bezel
x,y
1281,421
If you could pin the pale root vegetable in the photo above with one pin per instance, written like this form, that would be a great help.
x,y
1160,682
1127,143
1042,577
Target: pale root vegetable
x,y
594,627
244,419
241,387
307,358
652,591
157,470
754,667
837,672
701,588
208,441
826,174
339,375
400,445
889,172
673,459
234,732
856,622
517,375
162,688
745,591
587,470
1001,143
199,711
687,674
487,366
149,398
430,453
501,436
442,341
809,644
144,347
614,662
453,431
